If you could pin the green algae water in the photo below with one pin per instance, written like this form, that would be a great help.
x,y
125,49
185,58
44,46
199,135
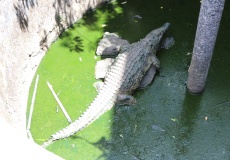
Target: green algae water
x,y
167,122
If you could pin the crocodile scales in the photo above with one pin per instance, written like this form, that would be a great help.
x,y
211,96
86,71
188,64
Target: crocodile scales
x,y
122,79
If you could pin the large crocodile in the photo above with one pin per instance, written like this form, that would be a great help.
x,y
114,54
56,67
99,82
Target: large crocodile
x,y
122,79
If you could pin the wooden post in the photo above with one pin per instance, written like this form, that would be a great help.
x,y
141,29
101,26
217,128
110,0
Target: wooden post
x,y
207,29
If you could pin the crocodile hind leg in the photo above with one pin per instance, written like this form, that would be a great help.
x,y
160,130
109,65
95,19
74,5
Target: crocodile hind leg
x,y
124,99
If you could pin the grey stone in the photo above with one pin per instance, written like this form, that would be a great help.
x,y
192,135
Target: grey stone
x,y
110,44
102,67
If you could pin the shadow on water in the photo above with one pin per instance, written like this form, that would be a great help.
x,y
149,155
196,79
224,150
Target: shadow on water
x,y
189,115
72,43
102,144
91,21
134,134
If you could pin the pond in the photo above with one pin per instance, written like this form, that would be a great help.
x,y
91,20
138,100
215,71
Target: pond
x,y
167,122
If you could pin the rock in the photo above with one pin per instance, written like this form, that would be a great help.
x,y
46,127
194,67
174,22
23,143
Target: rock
x,y
98,86
137,17
102,67
110,44
156,128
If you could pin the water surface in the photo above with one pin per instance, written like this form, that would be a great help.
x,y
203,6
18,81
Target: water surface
x,y
167,122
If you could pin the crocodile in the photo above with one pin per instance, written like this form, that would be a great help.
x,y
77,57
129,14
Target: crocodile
x,y
122,79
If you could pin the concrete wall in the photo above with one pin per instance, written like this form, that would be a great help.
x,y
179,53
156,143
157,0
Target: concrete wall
x,y
27,29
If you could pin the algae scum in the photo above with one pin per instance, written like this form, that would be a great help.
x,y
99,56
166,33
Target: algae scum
x,y
167,122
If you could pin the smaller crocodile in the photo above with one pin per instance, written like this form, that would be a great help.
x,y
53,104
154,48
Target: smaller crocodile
x,y
123,77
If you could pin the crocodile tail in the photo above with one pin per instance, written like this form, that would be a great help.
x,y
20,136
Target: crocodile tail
x,y
102,103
